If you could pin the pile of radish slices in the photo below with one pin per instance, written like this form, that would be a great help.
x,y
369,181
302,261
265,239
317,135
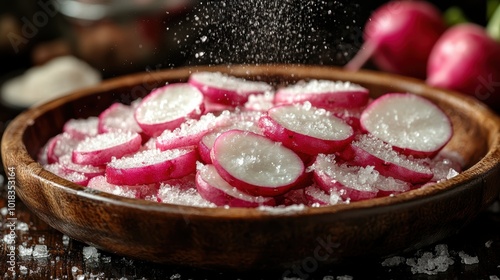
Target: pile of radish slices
x,y
219,140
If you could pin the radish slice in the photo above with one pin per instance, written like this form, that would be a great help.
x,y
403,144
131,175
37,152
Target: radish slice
x,y
81,128
190,132
225,89
60,145
306,129
119,117
138,191
89,171
410,123
324,94
168,107
215,189
369,150
75,177
151,166
255,164
260,102
182,191
99,150
318,197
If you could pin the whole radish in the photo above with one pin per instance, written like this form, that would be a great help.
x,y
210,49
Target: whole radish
x,y
467,59
399,38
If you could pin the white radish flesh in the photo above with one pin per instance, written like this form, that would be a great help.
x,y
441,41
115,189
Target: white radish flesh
x,y
306,129
119,117
81,128
256,164
168,107
410,123
225,89
324,94
75,177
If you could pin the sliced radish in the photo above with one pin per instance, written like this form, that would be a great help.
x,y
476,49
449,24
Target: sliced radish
x,y
207,141
151,166
371,151
225,89
324,94
81,128
190,132
138,191
410,123
100,149
256,164
215,189
89,171
306,129
119,117
318,197
61,145
445,165
75,177
351,182
168,107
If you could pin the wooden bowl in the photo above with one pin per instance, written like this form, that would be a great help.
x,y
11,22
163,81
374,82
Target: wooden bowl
x,y
244,239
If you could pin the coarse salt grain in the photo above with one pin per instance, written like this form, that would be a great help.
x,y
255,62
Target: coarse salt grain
x,y
321,87
40,251
104,141
147,157
467,259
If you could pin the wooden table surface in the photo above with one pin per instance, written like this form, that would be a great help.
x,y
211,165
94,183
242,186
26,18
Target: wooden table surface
x,y
69,259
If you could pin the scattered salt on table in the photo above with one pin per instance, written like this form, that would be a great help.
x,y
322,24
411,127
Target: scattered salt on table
x,y
90,253
467,259
40,251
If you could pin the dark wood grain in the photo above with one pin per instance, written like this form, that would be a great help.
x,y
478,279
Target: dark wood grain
x,y
243,239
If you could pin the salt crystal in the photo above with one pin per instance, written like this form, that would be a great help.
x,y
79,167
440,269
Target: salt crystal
x,y
4,211
147,157
41,239
24,251
467,259
175,276
40,251
393,261
105,141
488,243
321,87
90,253
344,277
494,277
282,210
328,277
22,226
431,264
23,270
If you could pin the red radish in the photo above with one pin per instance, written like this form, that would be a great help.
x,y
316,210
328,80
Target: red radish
x,y
215,189
119,117
75,177
255,164
399,37
89,171
139,191
324,94
100,149
293,197
81,128
371,151
224,89
412,124
60,145
306,129
190,132
467,60
318,197
168,107
151,166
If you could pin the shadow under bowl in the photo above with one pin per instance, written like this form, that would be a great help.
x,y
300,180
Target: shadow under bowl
x,y
244,239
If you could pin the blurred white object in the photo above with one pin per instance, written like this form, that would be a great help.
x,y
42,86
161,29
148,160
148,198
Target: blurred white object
x,y
56,78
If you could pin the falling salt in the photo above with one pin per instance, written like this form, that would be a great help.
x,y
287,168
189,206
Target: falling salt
x,y
22,226
176,276
40,251
182,192
393,261
23,269
488,243
147,158
4,211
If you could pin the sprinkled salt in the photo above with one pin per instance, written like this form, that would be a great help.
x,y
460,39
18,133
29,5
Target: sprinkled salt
x,y
182,192
40,251
467,259
81,128
431,264
65,240
24,251
146,158
90,253
282,210
176,276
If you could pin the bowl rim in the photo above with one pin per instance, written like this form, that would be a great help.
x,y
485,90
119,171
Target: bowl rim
x,y
17,127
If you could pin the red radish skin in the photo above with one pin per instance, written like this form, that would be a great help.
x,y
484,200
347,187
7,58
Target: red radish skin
x,y
467,60
100,149
306,129
227,90
255,164
81,128
324,94
61,145
151,166
399,38
168,107
410,123
138,191
370,151
216,190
